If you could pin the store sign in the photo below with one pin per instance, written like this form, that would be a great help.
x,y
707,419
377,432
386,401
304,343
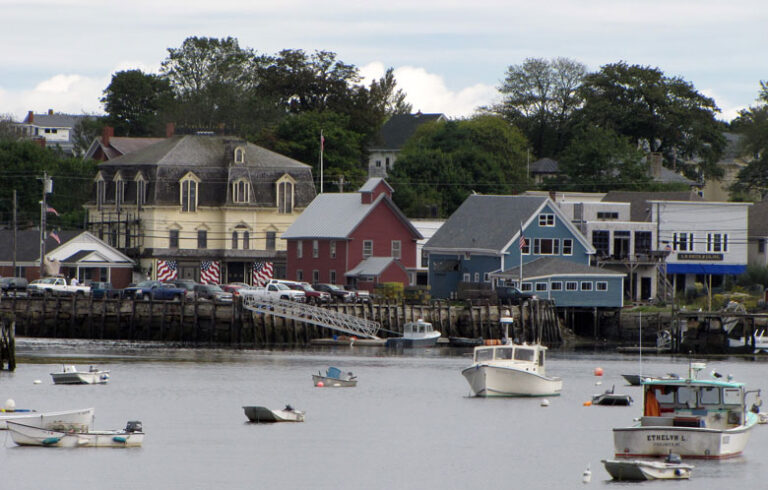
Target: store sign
x,y
703,257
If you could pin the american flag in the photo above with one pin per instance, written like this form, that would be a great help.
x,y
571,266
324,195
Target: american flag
x,y
167,270
262,273
209,272
522,243
49,209
55,237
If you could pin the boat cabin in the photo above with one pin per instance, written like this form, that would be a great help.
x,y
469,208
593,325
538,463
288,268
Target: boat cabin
x,y
514,354
418,328
693,403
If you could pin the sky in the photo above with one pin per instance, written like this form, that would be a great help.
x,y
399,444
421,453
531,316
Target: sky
x,y
449,56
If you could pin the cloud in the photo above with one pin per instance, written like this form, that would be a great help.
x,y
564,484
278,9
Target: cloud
x,y
65,93
427,92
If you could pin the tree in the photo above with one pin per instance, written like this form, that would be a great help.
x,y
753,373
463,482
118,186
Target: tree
x,y
658,113
85,131
752,125
444,162
8,128
540,96
598,160
135,101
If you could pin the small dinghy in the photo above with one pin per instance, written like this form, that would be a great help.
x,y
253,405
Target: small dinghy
x,y
334,378
609,398
69,375
26,435
671,468
79,420
267,415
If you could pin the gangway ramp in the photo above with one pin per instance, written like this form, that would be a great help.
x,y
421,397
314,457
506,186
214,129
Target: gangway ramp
x,y
322,317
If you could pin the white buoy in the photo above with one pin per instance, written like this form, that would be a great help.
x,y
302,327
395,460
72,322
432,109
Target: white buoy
x,y
587,476
598,383
10,405
37,382
544,402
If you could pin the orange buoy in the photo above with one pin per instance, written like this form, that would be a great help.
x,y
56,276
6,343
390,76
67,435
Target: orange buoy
x,y
587,404
598,371
320,384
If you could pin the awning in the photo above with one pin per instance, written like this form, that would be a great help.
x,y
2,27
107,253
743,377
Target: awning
x,y
713,269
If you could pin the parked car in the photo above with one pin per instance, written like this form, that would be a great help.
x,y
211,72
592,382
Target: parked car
x,y
13,285
186,284
311,295
55,285
154,290
361,295
337,293
511,294
212,292
100,289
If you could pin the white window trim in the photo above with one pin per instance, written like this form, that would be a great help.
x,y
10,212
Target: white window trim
x,y
239,155
236,197
571,285
299,249
584,283
569,241
556,286
367,244
190,177
541,287
547,219
396,249
315,249
604,285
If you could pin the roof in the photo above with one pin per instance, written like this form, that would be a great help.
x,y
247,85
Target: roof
x,y
544,166
485,222
28,244
371,184
552,266
639,207
119,145
670,177
372,266
398,128
336,215
758,219
55,120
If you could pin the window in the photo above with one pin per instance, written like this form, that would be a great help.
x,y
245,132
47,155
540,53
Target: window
x,y
234,240
101,193
119,192
424,258
299,249
642,242
710,395
546,219
682,242
332,276
717,242
141,192
315,249
378,163
173,239
202,238
387,162
477,277
487,277
396,249
367,248
571,286
315,276
541,286
601,242
188,195
241,191
761,246
546,246
556,286
332,248
586,285
466,277
607,215
601,286
527,286
272,240
239,154
299,275
567,246
285,197
247,240
526,248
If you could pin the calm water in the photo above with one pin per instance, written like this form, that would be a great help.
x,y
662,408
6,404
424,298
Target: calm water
x,y
408,424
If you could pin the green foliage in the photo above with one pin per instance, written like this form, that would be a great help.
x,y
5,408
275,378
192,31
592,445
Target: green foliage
x,y
392,291
134,102
85,131
598,160
752,124
444,162
754,275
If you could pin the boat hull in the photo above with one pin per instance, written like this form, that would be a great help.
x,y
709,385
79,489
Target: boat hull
x,y
333,382
267,415
688,442
78,420
25,435
412,342
634,470
80,378
492,381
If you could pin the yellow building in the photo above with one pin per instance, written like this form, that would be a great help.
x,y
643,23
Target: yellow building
x,y
196,199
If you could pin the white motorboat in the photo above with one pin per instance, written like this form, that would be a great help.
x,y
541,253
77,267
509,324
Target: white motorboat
x,y
267,415
416,334
640,470
78,420
26,435
69,375
334,378
692,417
511,370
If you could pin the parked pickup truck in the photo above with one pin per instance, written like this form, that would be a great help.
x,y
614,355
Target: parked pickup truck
x,y
55,285
154,290
277,291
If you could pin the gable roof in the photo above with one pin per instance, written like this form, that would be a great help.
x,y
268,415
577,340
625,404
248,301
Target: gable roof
x,y
544,166
398,128
336,215
639,207
55,120
119,146
372,266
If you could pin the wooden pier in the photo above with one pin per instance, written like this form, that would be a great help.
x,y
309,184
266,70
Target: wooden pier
x,y
203,323
7,344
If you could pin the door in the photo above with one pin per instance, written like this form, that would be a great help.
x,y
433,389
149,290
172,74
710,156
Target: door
x,y
645,288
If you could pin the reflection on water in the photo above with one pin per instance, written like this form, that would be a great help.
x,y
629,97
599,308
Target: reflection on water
x,y
408,424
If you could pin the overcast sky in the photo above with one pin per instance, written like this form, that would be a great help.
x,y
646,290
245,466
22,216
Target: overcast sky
x,y
449,55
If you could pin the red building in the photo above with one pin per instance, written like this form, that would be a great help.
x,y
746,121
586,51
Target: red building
x,y
357,238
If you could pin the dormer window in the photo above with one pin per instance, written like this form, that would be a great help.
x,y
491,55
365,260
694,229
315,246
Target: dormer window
x,y
141,191
239,155
189,193
241,191
119,191
285,186
101,191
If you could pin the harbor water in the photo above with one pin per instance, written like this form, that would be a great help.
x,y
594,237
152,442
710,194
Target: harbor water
x,y
409,423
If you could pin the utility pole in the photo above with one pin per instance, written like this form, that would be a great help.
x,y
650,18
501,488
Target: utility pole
x,y
47,189
14,232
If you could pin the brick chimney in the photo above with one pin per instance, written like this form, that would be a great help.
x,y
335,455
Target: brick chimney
x,y
107,132
30,117
170,129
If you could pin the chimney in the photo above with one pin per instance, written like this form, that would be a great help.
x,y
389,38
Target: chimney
x,y
655,167
170,129
50,112
107,132
30,117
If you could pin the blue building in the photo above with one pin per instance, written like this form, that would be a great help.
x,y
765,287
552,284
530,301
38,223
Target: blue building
x,y
525,241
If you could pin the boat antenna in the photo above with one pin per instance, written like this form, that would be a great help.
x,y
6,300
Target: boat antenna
x,y
640,343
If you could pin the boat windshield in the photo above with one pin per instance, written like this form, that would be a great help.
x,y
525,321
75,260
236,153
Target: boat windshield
x,y
483,355
524,354
504,353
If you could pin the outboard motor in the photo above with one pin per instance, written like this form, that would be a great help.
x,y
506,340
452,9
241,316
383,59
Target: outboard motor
x,y
134,426
674,458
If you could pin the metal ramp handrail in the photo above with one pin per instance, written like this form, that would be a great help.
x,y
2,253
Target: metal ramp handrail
x,y
322,317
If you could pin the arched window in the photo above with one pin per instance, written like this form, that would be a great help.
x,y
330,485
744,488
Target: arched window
x,y
234,240
241,191
246,240
141,191
101,191
119,191
189,193
285,188
239,154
